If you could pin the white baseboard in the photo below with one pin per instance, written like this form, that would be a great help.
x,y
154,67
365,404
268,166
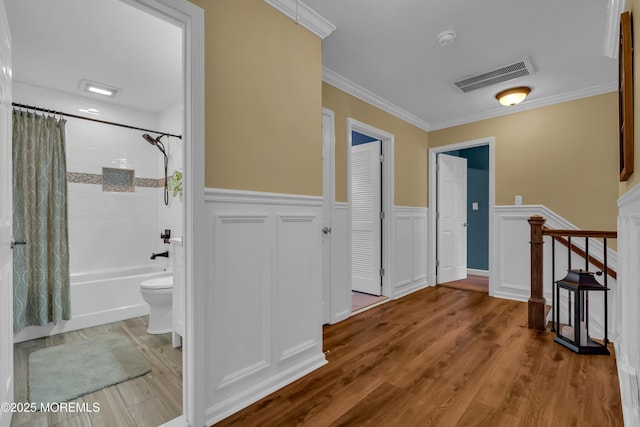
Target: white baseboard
x,y
409,290
475,272
260,390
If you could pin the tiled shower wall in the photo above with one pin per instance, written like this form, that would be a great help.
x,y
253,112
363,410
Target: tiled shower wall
x,y
119,227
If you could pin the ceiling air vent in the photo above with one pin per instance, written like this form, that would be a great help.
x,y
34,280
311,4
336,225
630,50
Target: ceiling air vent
x,y
501,74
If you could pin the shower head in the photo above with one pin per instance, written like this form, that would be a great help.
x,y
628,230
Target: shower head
x,y
150,139
155,141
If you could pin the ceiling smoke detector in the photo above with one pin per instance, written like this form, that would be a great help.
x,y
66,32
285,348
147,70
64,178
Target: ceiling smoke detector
x,y
446,37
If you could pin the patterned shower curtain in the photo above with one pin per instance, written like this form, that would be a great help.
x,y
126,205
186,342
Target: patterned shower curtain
x,y
41,266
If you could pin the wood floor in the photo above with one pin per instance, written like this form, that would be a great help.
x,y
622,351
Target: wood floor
x,y
444,357
361,300
472,283
149,400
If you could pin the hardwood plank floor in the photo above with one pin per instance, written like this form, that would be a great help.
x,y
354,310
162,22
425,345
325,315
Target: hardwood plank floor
x,y
149,400
361,300
444,357
472,283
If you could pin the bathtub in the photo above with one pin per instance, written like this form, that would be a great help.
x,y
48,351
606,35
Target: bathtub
x,y
101,297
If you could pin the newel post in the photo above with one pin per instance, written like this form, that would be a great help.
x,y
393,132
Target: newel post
x,y
536,300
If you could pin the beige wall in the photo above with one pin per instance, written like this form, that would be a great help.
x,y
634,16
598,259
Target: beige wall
x,y
563,156
411,146
263,101
635,177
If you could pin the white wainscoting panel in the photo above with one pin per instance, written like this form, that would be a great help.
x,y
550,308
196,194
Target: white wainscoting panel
x,y
410,257
340,268
627,301
511,260
241,297
264,289
297,284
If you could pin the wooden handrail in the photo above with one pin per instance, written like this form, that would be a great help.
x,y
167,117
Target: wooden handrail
x,y
536,303
579,233
578,251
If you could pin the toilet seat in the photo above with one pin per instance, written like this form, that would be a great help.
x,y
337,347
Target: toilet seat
x,y
164,282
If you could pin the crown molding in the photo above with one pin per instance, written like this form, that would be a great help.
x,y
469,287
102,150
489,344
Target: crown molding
x,y
530,105
304,15
612,32
346,85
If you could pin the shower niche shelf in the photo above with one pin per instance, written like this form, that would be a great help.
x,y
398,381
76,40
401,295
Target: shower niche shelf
x,y
118,180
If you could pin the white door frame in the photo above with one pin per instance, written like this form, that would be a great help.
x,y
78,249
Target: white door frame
x,y
6,258
387,198
191,19
328,205
432,250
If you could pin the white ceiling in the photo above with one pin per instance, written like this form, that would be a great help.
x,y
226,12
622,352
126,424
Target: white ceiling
x,y
55,44
390,48
386,47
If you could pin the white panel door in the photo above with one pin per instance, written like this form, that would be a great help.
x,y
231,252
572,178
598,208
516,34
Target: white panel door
x,y
6,205
366,232
452,218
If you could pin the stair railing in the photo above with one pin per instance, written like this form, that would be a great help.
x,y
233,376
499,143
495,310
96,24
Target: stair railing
x,y
537,302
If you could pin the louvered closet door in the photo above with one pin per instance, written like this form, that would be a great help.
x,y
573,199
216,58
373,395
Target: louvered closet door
x,y
366,233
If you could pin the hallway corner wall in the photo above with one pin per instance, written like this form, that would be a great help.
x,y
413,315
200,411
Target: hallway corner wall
x,y
263,100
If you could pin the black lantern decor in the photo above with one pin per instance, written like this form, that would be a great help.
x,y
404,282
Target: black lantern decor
x,y
573,330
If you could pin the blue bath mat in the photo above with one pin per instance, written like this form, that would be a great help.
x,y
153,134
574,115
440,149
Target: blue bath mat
x,y
67,371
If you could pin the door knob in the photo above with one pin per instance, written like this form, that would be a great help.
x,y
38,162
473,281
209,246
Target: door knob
x,y
464,225
326,230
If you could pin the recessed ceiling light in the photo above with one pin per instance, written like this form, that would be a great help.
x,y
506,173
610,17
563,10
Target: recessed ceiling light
x,y
98,88
89,111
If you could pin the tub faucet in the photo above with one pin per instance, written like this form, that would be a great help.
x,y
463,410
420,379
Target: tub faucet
x,y
164,254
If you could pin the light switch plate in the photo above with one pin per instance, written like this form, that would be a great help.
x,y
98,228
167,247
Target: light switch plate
x,y
518,199
474,206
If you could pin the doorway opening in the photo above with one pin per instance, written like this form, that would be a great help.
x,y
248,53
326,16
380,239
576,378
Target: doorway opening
x,y
467,258
370,200
188,19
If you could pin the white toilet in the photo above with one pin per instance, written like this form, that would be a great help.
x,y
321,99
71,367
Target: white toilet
x,y
158,293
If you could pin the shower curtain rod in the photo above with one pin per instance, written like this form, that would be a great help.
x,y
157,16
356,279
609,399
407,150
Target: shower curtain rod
x,y
75,116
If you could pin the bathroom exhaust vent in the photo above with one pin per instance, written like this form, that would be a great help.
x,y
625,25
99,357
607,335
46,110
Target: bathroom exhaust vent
x,y
497,75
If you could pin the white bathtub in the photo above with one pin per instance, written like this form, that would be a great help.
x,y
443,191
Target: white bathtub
x,y
100,297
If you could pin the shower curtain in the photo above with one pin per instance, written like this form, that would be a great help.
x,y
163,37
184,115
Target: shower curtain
x,y
41,266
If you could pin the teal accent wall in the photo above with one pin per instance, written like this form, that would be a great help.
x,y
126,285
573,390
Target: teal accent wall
x,y
357,138
477,191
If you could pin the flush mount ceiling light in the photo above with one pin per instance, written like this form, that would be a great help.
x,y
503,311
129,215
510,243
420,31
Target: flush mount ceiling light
x,y
513,96
98,88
